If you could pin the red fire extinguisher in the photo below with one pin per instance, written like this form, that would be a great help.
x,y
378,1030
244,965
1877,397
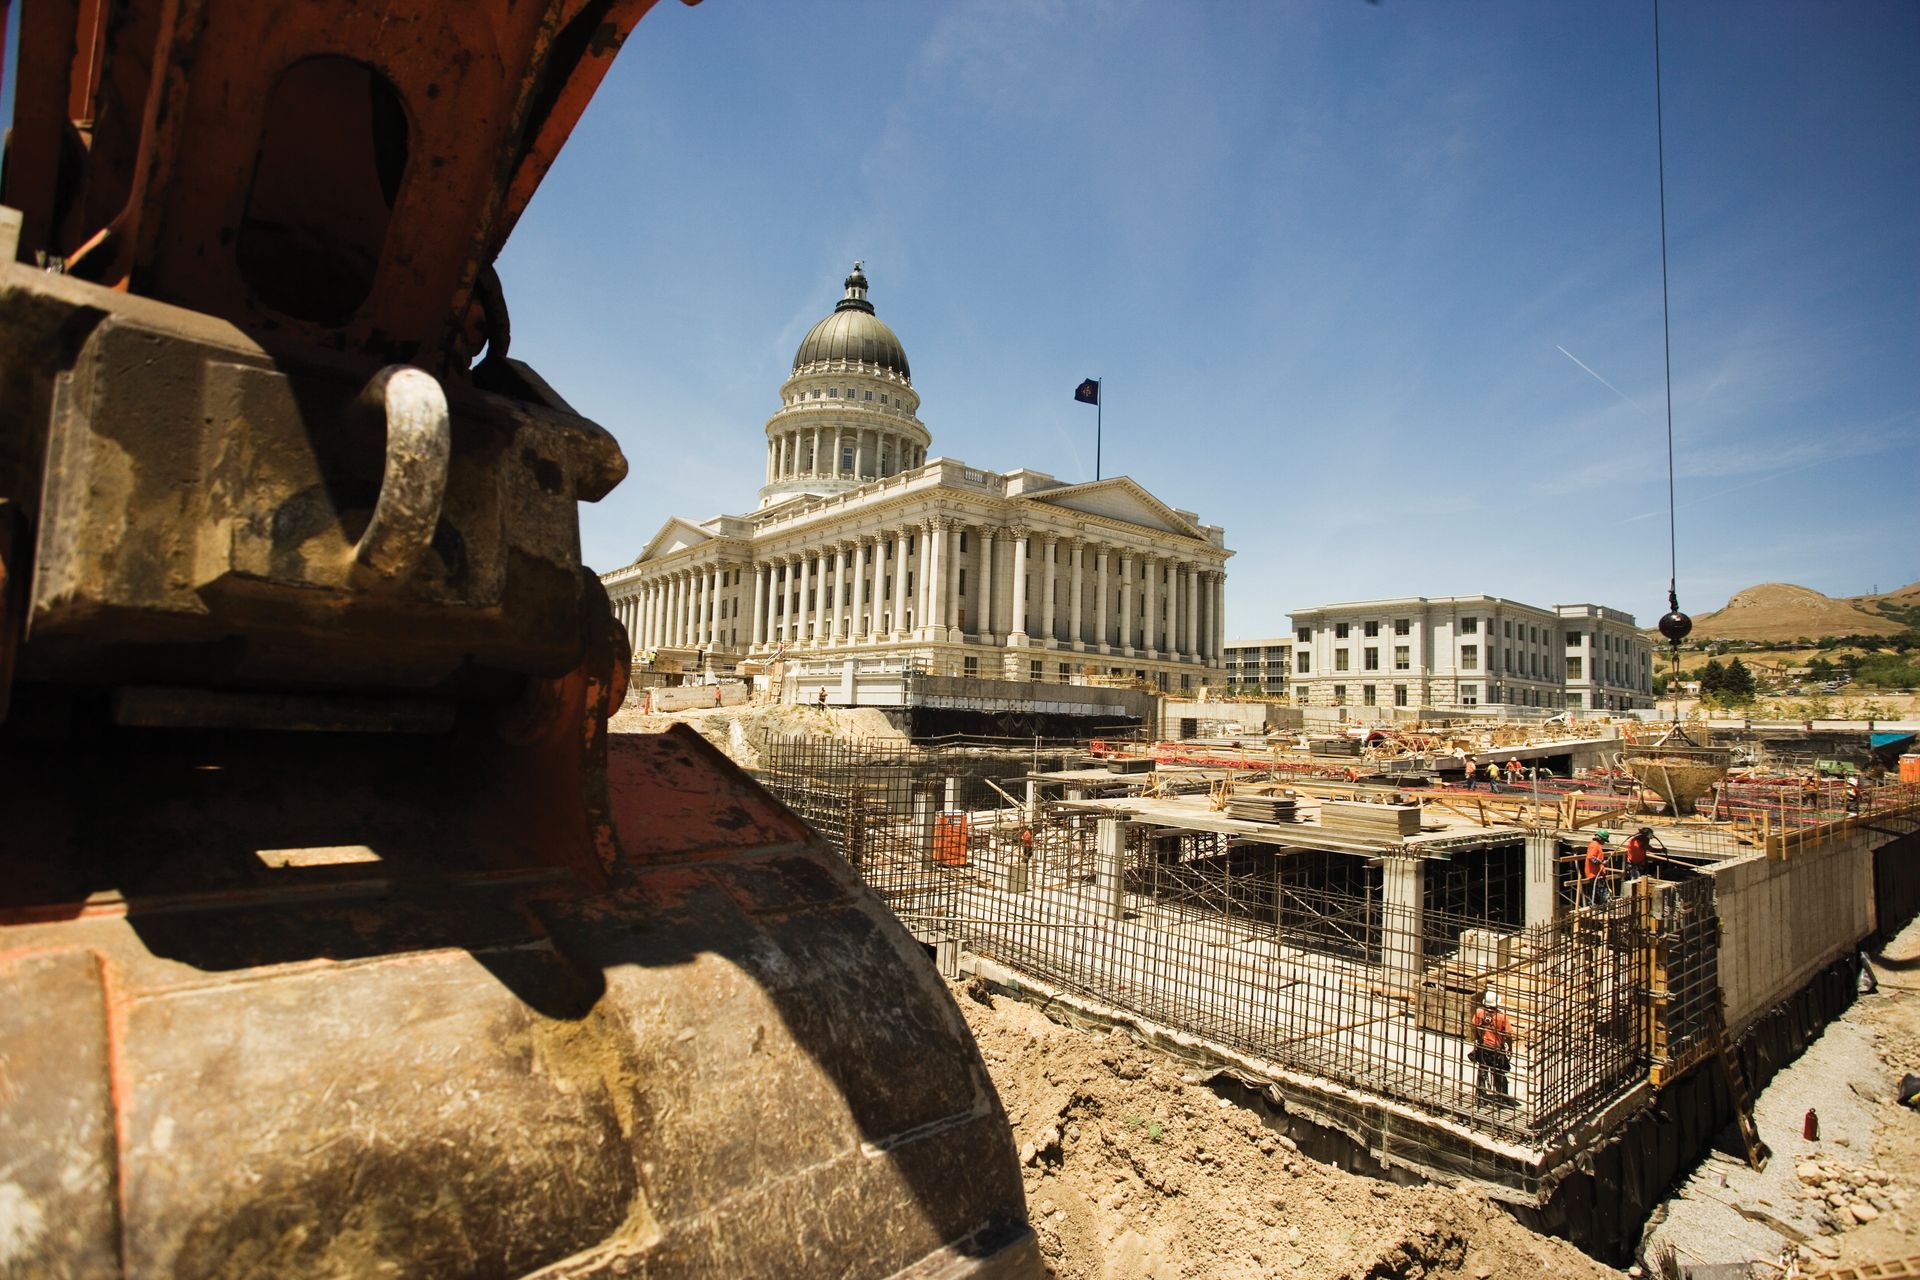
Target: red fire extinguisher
x,y
1810,1127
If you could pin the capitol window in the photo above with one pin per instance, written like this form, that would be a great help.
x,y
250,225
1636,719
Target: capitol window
x,y
867,396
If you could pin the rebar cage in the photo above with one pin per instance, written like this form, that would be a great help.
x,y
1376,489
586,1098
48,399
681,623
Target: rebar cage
x,y
1293,956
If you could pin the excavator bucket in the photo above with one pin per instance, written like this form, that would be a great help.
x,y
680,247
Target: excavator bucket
x,y
338,935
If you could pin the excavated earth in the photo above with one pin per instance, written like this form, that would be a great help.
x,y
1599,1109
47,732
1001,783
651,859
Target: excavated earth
x,y
1135,1167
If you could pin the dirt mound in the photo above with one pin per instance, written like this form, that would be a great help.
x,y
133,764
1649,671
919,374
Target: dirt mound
x,y
1784,612
742,732
1134,1166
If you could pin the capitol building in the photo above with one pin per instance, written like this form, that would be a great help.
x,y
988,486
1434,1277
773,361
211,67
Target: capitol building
x,y
864,546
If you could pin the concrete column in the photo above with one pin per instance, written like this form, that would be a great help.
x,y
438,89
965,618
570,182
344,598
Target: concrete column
x,y
714,578
839,589
901,600
1109,864
1100,600
1018,627
670,628
1126,603
1541,851
1078,589
702,604
1150,621
985,629
839,444
1049,631
1193,611
937,576
1403,919
923,809
859,454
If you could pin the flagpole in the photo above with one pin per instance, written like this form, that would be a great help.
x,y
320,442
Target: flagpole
x,y
1099,408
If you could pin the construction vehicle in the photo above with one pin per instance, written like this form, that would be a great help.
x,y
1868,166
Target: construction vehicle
x,y
337,935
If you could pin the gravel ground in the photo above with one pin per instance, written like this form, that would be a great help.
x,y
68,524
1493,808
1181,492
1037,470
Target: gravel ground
x,y
1847,1197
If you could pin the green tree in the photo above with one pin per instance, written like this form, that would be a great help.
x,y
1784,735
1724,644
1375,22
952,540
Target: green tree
x,y
1737,684
1712,678
1820,669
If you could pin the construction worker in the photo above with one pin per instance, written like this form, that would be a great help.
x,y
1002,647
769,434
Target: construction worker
x,y
1593,872
1639,844
1492,1033
1853,794
1514,770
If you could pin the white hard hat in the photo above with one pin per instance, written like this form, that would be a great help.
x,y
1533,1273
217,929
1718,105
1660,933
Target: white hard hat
x,y
1491,1000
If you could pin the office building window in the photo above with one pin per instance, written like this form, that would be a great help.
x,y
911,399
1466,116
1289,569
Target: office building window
x,y
1469,695
1339,659
1303,662
1367,695
1469,657
1399,695
1340,630
1402,657
1373,628
1403,626
1370,658
1469,626
1339,695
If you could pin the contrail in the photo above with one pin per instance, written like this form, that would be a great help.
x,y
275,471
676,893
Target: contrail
x,y
1602,381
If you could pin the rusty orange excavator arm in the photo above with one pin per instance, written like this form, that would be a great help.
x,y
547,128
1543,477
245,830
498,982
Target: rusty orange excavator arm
x,y
338,935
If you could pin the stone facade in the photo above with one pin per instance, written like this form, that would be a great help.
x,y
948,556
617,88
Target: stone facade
x,y
864,547
1469,651
1260,666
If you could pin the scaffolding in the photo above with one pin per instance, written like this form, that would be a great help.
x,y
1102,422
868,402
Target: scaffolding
x,y
1301,957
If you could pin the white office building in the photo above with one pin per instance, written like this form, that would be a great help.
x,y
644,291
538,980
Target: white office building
x,y
1453,652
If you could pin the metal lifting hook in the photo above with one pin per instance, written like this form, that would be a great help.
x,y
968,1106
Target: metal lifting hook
x,y
415,478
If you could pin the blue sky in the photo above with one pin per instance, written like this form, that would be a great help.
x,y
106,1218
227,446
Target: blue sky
x,y
1335,261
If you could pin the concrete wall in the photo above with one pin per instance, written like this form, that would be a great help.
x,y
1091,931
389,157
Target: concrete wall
x,y
1782,921
1248,717
681,697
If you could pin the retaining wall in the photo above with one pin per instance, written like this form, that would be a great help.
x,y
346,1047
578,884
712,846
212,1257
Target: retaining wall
x,y
1783,920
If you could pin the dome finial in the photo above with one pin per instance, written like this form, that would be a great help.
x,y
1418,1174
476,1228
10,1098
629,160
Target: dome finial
x,y
856,296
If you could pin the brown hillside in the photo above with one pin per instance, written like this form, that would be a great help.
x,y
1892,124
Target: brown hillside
x,y
1780,611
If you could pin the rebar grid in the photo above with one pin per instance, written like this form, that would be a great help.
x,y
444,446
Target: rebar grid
x,y
1305,958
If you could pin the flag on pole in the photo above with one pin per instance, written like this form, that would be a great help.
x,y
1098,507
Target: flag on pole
x,y
1088,392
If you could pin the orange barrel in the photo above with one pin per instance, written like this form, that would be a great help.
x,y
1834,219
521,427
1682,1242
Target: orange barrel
x,y
1910,768
950,838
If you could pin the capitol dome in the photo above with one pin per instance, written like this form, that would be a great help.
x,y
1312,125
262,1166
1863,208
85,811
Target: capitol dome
x,y
848,412
853,334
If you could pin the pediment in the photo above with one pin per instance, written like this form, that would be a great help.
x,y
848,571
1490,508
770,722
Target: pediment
x,y
1117,499
677,534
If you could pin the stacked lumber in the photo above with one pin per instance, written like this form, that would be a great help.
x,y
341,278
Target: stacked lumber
x,y
1372,821
1253,808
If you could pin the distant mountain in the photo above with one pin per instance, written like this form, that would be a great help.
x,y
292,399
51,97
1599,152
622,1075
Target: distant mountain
x,y
1780,611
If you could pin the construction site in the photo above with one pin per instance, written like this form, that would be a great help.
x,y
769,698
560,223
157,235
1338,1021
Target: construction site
x,y
1328,926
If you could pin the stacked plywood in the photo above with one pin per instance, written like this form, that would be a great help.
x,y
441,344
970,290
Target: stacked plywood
x,y
1373,821
1256,808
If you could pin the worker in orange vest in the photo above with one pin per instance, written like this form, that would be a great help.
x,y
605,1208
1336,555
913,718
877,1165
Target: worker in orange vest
x,y
1492,1033
1593,872
1639,844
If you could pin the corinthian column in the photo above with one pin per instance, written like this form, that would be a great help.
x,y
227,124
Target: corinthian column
x,y
985,628
758,636
839,587
1150,620
1126,603
1017,633
901,599
1193,611
1049,626
1078,589
937,576
1100,599
857,624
